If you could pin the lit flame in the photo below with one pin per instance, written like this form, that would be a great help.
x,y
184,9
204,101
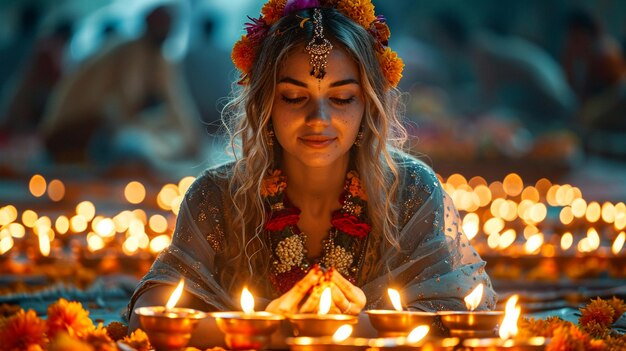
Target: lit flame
x,y
325,301
418,333
394,296
618,243
247,301
44,243
473,299
508,328
175,295
342,333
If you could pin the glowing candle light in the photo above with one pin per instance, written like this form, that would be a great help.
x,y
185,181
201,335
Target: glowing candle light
x,y
472,300
6,244
171,303
533,244
618,243
566,241
56,190
470,225
44,243
325,301
159,243
86,209
593,239
247,301
508,328
185,183
342,333
134,192
394,296
37,185
417,334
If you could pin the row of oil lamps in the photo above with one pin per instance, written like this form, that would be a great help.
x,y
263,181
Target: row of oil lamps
x,y
170,328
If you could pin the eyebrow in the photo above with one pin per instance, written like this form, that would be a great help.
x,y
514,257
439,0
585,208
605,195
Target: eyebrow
x,y
332,85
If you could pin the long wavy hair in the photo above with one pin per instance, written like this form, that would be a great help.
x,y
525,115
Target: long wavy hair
x,y
247,117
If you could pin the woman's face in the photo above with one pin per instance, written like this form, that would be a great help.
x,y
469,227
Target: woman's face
x,y
316,121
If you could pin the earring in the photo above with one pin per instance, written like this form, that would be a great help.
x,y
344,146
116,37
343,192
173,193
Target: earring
x,y
359,137
269,133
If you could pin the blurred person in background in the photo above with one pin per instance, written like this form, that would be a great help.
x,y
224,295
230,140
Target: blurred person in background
x,y
28,94
207,67
127,102
511,73
596,70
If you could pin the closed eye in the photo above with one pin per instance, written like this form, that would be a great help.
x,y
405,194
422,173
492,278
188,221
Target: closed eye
x,y
339,101
293,100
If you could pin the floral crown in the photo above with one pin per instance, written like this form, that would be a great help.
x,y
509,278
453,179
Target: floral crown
x,y
360,11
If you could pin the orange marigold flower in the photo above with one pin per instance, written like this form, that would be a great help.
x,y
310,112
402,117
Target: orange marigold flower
x,y
64,342
568,339
391,65
360,11
273,184
139,340
243,54
273,10
615,343
541,327
596,330
597,311
70,317
619,307
23,330
100,339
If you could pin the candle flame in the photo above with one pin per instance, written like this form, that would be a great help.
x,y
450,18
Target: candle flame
x,y
418,333
44,243
325,301
394,296
618,243
247,301
473,299
342,333
175,295
508,328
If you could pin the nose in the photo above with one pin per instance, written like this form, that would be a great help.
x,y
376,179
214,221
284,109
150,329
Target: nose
x,y
319,115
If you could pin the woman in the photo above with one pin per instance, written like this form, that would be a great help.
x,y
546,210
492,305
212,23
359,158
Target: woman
x,y
318,183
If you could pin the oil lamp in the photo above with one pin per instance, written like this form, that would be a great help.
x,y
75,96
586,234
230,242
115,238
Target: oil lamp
x,y
398,322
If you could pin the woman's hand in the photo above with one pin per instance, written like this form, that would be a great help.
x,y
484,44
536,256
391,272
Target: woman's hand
x,y
290,301
348,298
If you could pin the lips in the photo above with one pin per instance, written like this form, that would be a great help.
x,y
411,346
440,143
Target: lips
x,y
317,141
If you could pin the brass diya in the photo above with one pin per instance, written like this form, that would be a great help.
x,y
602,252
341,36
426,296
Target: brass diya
x,y
471,324
403,344
317,325
391,323
327,343
247,331
169,328
536,343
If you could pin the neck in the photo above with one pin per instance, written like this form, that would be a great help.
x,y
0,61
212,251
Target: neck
x,y
315,190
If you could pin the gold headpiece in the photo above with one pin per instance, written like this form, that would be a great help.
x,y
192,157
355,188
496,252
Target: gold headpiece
x,y
360,11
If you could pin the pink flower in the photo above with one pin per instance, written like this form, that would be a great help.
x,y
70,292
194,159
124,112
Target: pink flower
x,y
297,5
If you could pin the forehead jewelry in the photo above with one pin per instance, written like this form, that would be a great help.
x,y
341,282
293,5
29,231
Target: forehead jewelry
x,y
318,48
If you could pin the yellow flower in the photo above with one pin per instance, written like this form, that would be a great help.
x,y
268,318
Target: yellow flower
x,y
243,54
69,317
23,330
139,340
391,65
64,342
273,10
360,11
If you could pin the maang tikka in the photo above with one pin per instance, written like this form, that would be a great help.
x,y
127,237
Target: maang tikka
x,y
319,47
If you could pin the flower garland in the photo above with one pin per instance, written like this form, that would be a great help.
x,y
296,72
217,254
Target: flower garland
x,y
342,250
593,331
245,50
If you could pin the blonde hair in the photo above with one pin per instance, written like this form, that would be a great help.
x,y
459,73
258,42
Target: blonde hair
x,y
247,117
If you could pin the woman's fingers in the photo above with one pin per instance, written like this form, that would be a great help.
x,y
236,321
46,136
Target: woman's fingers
x,y
349,298
291,299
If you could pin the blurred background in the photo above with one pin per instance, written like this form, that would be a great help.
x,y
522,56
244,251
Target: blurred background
x,y
109,109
